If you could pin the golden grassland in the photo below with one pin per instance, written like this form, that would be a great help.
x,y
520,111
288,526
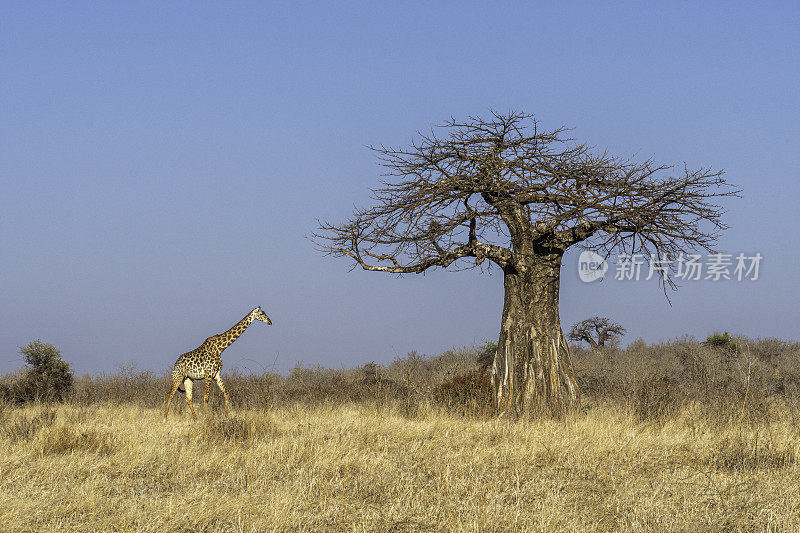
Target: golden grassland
x,y
354,468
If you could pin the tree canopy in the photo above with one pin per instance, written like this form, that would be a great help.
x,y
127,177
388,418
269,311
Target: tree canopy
x,y
497,187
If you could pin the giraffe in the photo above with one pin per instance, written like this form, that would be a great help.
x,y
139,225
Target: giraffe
x,y
204,362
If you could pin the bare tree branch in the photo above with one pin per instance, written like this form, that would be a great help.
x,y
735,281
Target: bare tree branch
x,y
503,189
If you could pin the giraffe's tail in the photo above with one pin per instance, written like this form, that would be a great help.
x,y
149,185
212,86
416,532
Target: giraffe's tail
x,y
181,389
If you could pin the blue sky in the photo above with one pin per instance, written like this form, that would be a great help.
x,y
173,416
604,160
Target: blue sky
x,y
162,164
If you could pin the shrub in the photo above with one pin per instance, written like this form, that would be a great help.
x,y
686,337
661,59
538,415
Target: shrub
x,y
47,378
471,390
6,393
655,400
637,346
422,374
486,356
370,373
722,341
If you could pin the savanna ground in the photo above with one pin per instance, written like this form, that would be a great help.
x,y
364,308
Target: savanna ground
x,y
672,437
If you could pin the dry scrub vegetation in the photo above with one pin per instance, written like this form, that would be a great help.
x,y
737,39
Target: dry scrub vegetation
x,y
672,437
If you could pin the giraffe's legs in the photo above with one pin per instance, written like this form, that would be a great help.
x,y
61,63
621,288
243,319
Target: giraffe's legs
x,y
218,379
206,390
170,395
187,384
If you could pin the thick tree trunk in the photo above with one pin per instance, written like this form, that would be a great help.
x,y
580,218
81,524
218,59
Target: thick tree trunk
x,y
532,372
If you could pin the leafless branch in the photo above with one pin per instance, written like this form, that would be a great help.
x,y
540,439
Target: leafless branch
x,y
503,189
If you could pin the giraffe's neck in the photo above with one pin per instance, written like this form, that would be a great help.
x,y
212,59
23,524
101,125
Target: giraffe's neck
x,y
226,339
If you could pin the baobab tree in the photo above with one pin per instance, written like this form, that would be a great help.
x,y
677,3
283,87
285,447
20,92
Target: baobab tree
x,y
503,190
596,331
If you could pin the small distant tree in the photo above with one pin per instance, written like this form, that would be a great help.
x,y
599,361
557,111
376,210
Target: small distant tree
x,y
47,377
724,343
596,331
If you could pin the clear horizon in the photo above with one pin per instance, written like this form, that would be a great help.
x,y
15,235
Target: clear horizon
x,y
164,164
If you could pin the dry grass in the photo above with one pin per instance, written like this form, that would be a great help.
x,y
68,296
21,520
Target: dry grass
x,y
358,468
677,436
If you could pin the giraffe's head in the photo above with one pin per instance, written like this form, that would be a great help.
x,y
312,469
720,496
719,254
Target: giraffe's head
x,y
258,314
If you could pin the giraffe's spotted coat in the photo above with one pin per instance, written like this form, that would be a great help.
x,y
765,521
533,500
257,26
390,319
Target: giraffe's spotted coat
x,y
205,362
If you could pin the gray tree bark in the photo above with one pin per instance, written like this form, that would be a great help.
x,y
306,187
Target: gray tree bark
x,y
532,372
